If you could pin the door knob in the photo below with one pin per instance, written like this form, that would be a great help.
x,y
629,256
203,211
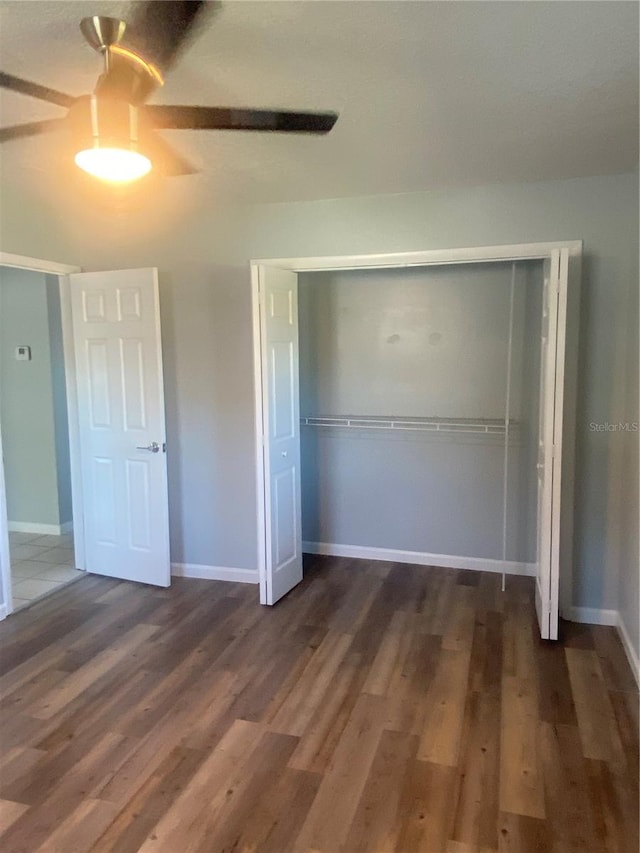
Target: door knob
x,y
154,447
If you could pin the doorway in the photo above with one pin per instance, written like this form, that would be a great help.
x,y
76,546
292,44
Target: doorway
x,y
55,535
278,434
111,343
34,419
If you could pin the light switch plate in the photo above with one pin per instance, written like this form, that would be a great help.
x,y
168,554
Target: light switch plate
x,y
23,353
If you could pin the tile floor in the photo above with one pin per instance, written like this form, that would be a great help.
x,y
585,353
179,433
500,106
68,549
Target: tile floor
x,y
40,565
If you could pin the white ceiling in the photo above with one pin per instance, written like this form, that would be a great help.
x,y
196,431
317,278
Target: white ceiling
x,y
430,94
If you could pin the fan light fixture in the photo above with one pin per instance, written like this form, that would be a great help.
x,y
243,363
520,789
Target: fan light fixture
x,y
106,131
115,165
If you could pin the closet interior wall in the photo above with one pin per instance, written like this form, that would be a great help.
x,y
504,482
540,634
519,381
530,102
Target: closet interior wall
x,y
403,394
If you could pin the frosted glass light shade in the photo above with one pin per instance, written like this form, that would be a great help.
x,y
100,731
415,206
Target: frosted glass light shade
x,y
115,165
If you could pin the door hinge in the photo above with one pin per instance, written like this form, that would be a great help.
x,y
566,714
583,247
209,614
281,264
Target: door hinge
x,y
164,446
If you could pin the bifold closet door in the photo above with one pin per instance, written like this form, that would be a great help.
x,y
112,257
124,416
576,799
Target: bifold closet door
x,y
549,463
278,296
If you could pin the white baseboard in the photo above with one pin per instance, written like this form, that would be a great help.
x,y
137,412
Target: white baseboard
x,y
420,558
40,529
632,654
214,573
593,616
4,611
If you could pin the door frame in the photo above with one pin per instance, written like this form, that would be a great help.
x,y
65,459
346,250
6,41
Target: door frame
x,y
398,260
62,271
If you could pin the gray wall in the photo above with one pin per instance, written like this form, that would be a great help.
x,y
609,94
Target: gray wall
x,y
33,422
59,397
428,342
202,247
629,444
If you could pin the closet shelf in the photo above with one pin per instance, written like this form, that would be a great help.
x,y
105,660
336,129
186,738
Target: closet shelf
x,y
493,426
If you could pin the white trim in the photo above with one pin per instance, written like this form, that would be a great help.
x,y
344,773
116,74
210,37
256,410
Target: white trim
x,y
39,529
593,616
73,422
5,611
420,558
478,254
25,263
627,645
214,573
513,252
261,512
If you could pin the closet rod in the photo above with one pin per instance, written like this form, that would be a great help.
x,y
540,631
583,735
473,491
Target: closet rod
x,y
492,426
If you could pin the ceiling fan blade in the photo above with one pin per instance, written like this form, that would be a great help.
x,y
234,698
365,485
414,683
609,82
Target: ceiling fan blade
x,y
32,128
223,118
35,90
158,31
171,162
160,28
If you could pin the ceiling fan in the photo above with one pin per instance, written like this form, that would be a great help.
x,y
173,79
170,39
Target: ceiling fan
x,y
114,129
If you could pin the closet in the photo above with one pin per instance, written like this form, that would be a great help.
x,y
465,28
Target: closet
x,y
410,413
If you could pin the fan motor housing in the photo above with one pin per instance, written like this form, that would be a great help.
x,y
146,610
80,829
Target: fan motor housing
x,y
100,122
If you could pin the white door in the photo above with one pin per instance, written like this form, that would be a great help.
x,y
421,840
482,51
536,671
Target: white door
x,y
278,297
554,317
116,332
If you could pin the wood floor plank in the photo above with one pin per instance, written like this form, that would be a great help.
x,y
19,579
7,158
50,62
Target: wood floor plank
x,y
334,807
180,826
325,728
17,761
312,684
556,701
521,779
458,634
82,679
440,742
175,728
384,662
225,828
81,828
9,813
425,812
613,660
279,812
131,824
476,808
567,805
485,675
377,707
614,809
596,720
374,824
55,798
407,704
523,834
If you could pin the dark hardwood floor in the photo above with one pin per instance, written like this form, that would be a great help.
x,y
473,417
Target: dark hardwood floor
x,y
378,707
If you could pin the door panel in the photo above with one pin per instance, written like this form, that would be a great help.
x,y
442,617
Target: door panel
x,y
550,442
281,429
117,344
